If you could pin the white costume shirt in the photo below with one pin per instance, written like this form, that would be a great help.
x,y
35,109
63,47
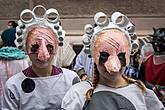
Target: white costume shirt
x,y
9,68
105,96
75,97
39,93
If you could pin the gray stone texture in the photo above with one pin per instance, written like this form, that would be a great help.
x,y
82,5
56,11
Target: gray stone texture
x,y
12,8
74,14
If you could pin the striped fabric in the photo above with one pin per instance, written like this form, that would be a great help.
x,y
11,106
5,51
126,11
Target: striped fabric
x,y
65,55
84,62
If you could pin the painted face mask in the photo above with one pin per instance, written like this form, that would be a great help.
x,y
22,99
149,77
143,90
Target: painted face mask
x,y
41,41
107,48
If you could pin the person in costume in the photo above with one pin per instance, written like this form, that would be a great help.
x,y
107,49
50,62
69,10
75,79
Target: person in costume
x,y
41,86
153,66
12,59
8,37
84,65
110,45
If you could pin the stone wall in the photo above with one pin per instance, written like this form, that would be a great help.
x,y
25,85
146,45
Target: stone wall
x,y
12,8
145,14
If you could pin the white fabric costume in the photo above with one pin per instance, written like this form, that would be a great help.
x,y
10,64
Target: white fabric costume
x,y
75,98
47,94
110,45
8,69
42,85
12,61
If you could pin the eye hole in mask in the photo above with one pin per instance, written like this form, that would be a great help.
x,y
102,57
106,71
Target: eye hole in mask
x,y
122,58
103,57
50,48
34,48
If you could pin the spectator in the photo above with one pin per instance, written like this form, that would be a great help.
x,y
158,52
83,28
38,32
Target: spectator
x,y
153,66
84,65
8,37
12,24
12,60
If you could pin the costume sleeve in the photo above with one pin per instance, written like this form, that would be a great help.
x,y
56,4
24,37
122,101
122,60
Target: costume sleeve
x,y
9,100
71,101
152,101
79,61
75,97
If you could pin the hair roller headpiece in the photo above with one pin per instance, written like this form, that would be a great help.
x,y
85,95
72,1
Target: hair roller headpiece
x,y
38,19
103,22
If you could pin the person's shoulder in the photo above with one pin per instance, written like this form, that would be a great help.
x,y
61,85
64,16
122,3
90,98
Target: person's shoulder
x,y
150,93
74,99
80,88
15,79
10,31
68,71
152,100
83,85
70,76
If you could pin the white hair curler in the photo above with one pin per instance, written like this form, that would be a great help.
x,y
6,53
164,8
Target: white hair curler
x,y
118,21
24,25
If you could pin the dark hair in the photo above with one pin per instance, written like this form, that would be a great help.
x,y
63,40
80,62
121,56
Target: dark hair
x,y
13,24
8,37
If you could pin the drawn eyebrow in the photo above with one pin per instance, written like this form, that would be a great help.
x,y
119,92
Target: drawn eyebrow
x,y
114,43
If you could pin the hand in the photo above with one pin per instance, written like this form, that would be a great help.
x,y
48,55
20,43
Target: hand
x,y
84,77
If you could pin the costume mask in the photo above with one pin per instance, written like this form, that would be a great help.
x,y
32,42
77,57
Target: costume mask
x,y
41,41
110,41
113,42
41,30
